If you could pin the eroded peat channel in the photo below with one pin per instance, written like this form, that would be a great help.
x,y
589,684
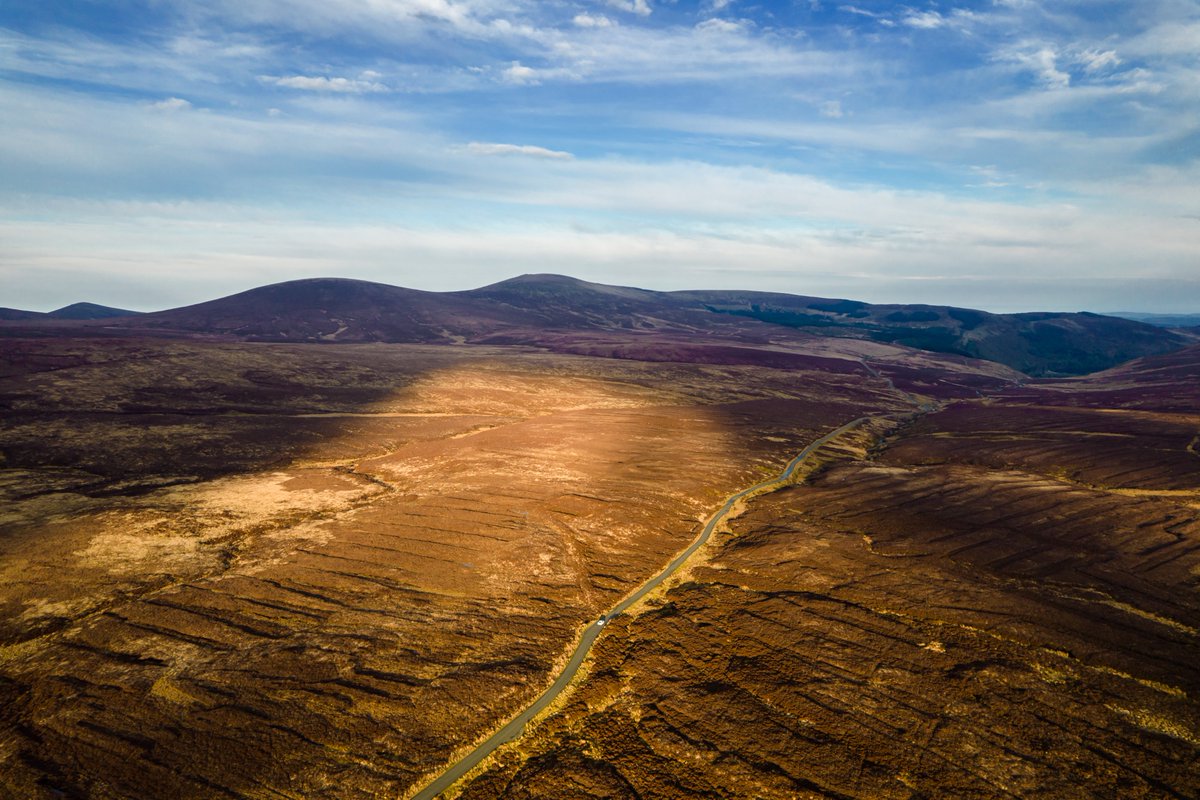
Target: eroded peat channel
x,y
515,727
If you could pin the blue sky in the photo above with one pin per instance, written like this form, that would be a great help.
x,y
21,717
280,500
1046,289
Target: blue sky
x,y
1007,154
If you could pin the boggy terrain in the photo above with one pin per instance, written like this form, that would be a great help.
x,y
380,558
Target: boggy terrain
x,y
997,600
287,570
236,570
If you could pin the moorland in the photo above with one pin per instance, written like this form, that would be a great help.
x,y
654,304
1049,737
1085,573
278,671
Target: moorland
x,y
320,539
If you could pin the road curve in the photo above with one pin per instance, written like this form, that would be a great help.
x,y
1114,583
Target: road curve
x,y
516,725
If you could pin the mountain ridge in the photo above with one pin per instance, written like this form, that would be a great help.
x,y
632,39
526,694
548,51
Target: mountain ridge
x,y
526,308
74,311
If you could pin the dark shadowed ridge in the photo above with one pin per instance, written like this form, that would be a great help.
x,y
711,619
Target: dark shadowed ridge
x,y
75,311
1039,343
1161,320
14,314
1169,382
519,310
566,303
90,311
529,308
560,289
336,309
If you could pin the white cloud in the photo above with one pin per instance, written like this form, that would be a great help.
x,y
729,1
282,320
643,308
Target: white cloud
x,y
152,67
172,104
1040,59
363,84
639,7
589,50
1045,62
886,239
78,142
715,50
520,75
223,47
1098,60
592,21
600,215
991,177
720,26
387,18
1006,133
1053,133
1175,38
962,18
923,19
533,151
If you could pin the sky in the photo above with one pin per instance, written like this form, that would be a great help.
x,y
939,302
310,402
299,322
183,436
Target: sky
x,y
1003,154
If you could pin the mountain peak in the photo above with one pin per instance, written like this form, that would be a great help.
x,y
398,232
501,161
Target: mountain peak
x,y
90,311
536,279
562,288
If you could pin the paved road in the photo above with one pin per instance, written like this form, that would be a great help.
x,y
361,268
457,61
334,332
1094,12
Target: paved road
x,y
517,725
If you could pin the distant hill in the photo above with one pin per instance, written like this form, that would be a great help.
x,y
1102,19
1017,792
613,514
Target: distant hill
x,y
1162,320
531,309
18,314
90,311
338,309
517,310
1043,343
558,302
562,302
75,311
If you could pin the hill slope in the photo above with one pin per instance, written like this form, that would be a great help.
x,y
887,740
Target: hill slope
x,y
90,311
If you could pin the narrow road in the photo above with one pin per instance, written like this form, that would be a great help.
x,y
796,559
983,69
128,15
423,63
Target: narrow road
x,y
516,726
